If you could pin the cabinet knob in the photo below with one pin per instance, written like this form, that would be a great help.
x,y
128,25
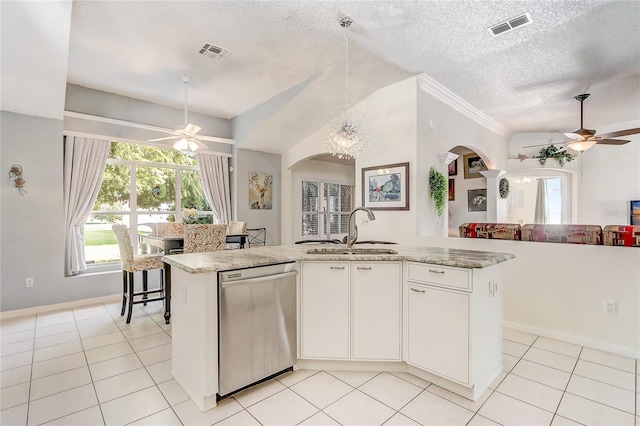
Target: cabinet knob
x,y
435,271
364,268
416,290
336,267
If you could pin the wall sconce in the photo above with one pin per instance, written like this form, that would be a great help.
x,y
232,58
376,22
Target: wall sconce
x,y
15,175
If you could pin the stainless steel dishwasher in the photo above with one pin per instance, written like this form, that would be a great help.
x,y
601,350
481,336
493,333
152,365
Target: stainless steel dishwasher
x,y
256,324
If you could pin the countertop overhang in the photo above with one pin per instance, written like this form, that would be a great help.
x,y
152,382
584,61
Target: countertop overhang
x,y
224,260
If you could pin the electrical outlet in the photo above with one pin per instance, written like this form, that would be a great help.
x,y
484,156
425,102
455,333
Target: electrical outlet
x,y
28,282
609,307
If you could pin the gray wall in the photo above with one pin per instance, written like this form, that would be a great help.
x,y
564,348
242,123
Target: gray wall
x,y
32,226
254,161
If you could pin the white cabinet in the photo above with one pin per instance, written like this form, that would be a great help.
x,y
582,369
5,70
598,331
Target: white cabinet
x,y
454,323
351,310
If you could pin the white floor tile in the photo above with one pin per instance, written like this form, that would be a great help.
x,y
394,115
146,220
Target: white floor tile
x,y
259,392
513,348
172,392
15,325
357,408
108,352
161,371
122,384
589,412
321,389
58,365
61,404
102,340
551,359
48,321
155,355
283,408
292,377
190,414
12,396
138,319
91,416
564,348
15,415
354,378
542,374
18,336
508,362
611,360
14,361
57,351
134,406
459,400
390,390
56,339
163,418
612,396
97,327
115,366
150,341
509,411
412,379
478,420
431,409
60,382
142,331
562,421
610,375
534,393
15,376
16,348
518,336
400,420
56,329
496,382
318,419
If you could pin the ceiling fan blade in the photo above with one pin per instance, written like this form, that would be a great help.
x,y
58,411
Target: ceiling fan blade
x,y
163,139
620,133
574,136
611,142
545,144
191,129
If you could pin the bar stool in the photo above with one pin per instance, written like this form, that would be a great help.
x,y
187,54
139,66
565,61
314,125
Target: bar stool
x,y
200,238
135,263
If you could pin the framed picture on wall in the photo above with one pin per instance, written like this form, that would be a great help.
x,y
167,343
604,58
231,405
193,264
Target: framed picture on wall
x,y
260,190
386,187
473,165
453,168
477,200
634,212
452,189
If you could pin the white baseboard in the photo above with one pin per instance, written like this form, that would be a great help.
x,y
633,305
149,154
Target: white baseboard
x,y
578,340
58,306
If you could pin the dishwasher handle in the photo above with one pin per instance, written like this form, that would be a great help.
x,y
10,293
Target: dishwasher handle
x,y
256,280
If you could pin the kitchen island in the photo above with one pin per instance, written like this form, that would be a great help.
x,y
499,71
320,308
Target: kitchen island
x,y
433,312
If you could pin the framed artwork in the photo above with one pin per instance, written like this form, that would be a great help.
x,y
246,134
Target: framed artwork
x,y
452,189
634,212
453,168
386,187
473,165
477,200
260,191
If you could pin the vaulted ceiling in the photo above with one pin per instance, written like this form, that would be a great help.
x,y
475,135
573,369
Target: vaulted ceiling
x,y
285,69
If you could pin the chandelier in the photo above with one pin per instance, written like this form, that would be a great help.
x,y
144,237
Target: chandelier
x,y
346,134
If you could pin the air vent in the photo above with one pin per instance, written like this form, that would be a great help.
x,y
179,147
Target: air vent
x,y
511,24
212,51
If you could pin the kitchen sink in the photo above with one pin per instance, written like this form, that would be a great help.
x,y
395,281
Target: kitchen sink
x,y
353,250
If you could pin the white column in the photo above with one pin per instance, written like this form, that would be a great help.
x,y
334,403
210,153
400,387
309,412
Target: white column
x,y
446,158
497,208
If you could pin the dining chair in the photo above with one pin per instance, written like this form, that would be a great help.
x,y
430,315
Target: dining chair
x,y
169,229
236,228
132,263
200,238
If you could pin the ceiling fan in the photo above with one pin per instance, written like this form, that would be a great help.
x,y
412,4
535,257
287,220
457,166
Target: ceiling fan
x,y
187,138
583,139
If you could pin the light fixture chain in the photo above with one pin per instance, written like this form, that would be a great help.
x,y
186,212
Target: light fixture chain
x,y
346,65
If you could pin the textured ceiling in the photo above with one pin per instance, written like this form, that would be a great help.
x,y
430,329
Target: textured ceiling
x,y
286,65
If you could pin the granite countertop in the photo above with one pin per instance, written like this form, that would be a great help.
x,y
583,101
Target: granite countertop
x,y
198,263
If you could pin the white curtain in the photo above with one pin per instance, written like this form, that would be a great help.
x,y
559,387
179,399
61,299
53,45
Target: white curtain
x,y
84,163
542,210
214,170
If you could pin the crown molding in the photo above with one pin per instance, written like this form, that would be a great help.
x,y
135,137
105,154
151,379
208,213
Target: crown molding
x,y
440,92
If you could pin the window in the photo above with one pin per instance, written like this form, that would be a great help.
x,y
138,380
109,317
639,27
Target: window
x,y
142,185
325,209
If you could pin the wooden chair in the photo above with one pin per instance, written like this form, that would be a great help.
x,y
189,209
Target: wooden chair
x,y
136,263
200,238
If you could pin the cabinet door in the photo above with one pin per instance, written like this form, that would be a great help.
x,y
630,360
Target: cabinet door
x,y
439,331
324,306
376,314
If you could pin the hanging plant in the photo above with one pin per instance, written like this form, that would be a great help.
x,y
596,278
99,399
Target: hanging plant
x,y
438,188
552,151
503,188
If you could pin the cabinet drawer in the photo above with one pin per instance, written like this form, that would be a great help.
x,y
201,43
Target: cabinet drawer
x,y
440,275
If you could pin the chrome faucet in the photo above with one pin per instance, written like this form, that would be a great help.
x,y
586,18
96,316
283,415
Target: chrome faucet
x,y
352,234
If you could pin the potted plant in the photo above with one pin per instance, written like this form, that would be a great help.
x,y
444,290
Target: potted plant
x,y
503,188
552,151
438,187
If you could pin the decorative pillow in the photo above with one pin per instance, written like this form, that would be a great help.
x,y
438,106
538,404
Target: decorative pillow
x,y
571,234
491,231
622,235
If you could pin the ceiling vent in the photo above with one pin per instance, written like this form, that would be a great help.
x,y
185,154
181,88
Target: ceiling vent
x,y
511,24
212,51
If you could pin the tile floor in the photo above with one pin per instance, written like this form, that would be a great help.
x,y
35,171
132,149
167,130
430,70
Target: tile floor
x,y
85,366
